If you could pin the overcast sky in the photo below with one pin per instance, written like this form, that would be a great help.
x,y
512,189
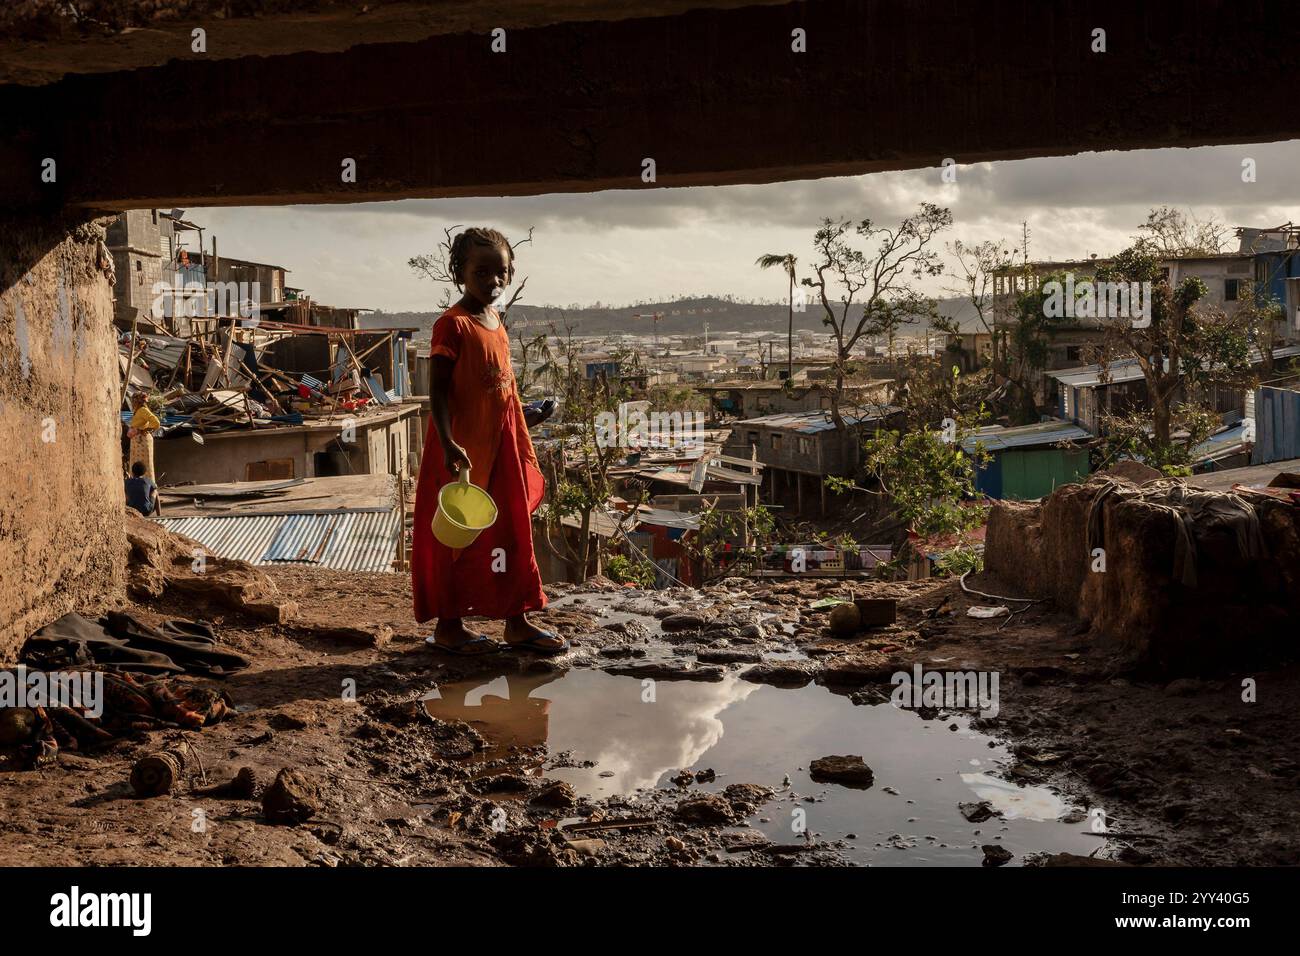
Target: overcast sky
x,y
621,246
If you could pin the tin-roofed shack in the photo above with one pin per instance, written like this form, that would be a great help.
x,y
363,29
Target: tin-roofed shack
x,y
741,399
1029,461
800,449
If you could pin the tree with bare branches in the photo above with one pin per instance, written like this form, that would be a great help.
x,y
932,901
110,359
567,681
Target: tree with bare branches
x,y
881,275
1170,233
434,266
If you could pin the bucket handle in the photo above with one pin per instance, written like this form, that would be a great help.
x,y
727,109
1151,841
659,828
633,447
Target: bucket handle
x,y
464,476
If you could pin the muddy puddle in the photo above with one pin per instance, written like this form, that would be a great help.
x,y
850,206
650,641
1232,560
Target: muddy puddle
x,y
611,736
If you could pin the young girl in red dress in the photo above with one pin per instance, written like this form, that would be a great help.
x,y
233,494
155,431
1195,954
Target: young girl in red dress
x,y
478,422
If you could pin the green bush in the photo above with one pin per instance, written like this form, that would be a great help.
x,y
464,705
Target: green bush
x,y
621,570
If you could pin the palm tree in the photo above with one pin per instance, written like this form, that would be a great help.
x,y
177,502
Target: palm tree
x,y
786,262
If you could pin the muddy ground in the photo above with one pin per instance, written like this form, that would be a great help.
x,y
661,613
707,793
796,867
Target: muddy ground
x,y
1186,772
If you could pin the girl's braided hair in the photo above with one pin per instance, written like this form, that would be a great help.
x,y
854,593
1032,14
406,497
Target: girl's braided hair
x,y
478,236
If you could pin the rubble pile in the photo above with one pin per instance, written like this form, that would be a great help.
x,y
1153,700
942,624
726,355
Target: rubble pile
x,y
162,561
209,382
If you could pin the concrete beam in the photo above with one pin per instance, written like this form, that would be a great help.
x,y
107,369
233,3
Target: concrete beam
x,y
713,96
41,41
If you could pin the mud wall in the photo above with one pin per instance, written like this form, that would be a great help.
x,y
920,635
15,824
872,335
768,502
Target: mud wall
x,y
1240,611
62,544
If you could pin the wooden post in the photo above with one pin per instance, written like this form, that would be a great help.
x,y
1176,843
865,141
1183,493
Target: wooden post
x,y
401,527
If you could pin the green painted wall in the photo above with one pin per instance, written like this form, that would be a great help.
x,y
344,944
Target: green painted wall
x,y
1039,471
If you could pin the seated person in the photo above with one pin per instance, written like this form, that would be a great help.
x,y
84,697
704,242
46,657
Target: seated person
x,y
141,493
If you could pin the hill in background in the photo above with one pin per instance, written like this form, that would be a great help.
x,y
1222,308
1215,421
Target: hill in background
x,y
684,316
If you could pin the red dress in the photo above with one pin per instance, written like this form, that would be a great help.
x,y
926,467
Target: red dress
x,y
497,575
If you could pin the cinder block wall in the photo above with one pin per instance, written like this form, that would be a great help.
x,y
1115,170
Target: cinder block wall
x,y
62,544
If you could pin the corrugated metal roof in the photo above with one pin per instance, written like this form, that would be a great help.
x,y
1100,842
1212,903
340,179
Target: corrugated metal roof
x,y
1128,370
240,538
666,518
996,438
343,541
812,422
1229,440
303,538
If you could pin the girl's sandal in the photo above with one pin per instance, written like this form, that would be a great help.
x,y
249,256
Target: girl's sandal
x,y
533,647
460,650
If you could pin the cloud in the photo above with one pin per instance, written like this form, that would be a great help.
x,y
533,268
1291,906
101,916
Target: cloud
x,y
645,243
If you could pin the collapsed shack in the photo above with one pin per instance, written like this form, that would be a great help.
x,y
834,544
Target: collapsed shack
x,y
273,379
1177,578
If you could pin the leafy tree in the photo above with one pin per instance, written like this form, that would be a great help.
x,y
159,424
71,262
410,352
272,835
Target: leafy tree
x,y
623,570
976,267
1260,316
1182,352
578,463
926,474
1130,436
1026,332
930,391
751,526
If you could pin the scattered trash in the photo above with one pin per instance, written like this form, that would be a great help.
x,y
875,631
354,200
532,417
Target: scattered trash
x,y
845,620
243,786
120,642
876,612
156,774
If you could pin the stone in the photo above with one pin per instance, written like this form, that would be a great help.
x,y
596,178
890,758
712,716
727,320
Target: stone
x,y
849,770
667,670
1184,687
291,799
995,855
682,622
725,655
746,795
708,808
977,812
587,847
555,796
777,674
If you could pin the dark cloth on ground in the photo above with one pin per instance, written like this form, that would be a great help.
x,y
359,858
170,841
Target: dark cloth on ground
x,y
1196,515
119,642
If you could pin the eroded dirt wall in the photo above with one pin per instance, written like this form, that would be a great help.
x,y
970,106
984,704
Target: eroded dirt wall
x,y
1239,610
62,543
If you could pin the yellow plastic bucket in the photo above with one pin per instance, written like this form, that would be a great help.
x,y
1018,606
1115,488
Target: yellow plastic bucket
x,y
464,510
